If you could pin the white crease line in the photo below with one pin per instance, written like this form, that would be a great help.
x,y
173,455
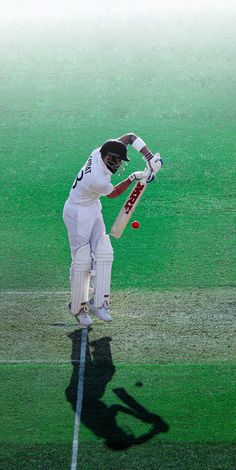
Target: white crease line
x,y
79,399
34,292
25,361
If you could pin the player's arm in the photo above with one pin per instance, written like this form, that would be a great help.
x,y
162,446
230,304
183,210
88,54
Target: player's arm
x,y
121,187
137,143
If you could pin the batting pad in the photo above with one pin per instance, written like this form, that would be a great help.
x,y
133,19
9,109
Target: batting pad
x,y
80,278
104,258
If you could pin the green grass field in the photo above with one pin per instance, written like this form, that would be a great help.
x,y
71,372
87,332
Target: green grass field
x,y
159,389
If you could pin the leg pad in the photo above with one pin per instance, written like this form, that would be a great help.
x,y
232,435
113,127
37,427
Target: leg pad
x,y
103,265
80,278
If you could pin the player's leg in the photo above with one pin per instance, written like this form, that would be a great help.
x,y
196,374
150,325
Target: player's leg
x,y
102,254
79,226
80,281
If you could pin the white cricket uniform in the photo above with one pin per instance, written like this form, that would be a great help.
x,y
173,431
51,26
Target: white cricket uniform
x,y
82,211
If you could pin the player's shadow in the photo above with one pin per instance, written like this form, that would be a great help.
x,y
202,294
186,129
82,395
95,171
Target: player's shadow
x,y
96,415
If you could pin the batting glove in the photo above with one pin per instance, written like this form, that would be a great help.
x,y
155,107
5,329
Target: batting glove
x,y
154,165
138,175
148,156
150,178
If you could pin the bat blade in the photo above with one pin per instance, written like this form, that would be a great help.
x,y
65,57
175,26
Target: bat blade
x,y
128,209
133,199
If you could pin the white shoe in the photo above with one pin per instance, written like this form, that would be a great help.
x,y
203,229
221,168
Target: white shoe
x,y
82,316
102,313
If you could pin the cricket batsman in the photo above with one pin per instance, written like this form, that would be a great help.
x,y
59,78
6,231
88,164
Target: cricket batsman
x,y
91,249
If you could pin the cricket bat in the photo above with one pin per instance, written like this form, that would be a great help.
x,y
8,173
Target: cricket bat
x,y
132,201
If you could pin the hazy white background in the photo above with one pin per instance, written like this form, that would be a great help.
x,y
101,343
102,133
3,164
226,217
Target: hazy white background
x,y
64,10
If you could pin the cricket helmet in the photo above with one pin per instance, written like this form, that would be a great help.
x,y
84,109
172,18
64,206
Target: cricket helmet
x,y
116,151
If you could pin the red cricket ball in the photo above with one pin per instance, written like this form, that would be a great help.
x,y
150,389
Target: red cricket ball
x,y
135,224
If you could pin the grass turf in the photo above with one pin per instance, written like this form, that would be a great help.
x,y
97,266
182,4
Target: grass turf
x,y
128,413
194,400
57,106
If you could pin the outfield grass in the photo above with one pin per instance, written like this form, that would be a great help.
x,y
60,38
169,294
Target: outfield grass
x,y
58,105
160,379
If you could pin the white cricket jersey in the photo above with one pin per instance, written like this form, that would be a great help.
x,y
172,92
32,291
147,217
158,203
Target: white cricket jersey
x,y
93,181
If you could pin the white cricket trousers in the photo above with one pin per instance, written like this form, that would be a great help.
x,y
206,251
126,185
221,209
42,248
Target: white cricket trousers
x,y
84,225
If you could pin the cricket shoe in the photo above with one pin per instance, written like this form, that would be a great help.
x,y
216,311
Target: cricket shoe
x,y
82,316
102,312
